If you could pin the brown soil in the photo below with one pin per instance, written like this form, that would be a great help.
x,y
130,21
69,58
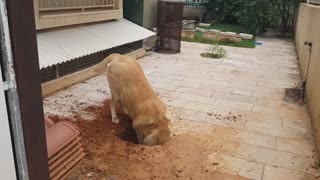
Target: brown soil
x,y
112,153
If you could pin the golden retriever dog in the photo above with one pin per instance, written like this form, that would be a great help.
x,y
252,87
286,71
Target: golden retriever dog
x,y
130,88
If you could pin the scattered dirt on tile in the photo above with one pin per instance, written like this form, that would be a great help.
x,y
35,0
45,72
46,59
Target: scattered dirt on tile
x,y
112,153
229,117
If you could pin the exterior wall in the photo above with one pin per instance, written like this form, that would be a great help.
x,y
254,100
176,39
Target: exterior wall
x,y
191,12
133,11
150,14
307,29
65,18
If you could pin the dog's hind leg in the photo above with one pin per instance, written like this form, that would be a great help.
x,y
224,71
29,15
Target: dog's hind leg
x,y
114,101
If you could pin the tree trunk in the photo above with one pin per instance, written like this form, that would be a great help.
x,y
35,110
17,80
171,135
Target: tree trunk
x,y
284,26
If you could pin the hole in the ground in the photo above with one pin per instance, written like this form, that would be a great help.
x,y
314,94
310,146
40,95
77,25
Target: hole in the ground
x,y
102,126
127,133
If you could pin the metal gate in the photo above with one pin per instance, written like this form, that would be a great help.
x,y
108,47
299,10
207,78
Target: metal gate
x,y
169,21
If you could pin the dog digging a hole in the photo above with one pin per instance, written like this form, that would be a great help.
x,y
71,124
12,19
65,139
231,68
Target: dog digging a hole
x,y
130,89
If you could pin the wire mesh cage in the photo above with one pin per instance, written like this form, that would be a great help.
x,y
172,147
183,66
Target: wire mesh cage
x,y
169,21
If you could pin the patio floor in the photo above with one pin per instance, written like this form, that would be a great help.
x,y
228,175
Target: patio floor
x,y
237,100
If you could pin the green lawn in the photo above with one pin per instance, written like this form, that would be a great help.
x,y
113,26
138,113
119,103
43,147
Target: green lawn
x,y
244,43
230,28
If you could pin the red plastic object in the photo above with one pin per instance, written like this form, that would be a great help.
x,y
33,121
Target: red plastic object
x,y
64,147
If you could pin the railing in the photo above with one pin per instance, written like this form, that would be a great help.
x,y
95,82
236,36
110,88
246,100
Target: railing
x,y
62,5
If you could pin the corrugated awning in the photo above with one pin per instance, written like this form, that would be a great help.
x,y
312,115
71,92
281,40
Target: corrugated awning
x,y
61,45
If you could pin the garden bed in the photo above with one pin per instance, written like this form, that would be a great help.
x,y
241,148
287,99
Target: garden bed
x,y
198,37
230,28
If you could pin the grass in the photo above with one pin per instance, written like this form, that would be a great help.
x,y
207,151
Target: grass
x,y
230,28
209,55
244,43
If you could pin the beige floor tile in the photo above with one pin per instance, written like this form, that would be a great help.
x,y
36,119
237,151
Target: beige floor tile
x,y
167,93
159,79
278,173
191,127
216,117
276,158
231,165
284,111
268,95
243,136
170,76
204,107
206,81
244,92
173,102
233,105
197,98
296,147
261,118
169,87
194,91
279,131
297,124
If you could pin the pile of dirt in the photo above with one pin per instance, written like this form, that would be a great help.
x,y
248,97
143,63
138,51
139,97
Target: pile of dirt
x,y
113,153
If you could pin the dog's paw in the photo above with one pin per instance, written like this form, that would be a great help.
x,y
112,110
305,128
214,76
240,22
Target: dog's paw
x,y
116,120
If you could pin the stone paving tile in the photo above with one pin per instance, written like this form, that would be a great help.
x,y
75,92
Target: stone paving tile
x,y
194,91
237,166
185,126
164,86
261,118
198,85
197,98
174,102
167,93
244,92
297,113
233,105
169,76
276,158
206,81
243,136
296,147
284,132
217,117
159,79
270,96
204,107
297,124
274,172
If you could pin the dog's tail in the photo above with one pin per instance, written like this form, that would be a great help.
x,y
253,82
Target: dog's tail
x,y
101,67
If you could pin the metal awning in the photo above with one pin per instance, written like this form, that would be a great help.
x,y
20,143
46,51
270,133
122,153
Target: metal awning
x,y
61,45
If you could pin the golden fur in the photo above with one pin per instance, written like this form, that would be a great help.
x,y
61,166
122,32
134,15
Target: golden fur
x,y
130,88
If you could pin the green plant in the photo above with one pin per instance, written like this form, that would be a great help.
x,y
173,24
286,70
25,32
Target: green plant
x,y
254,14
214,51
286,9
230,27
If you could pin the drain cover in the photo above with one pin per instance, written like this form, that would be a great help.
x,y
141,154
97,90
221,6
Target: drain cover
x,y
292,95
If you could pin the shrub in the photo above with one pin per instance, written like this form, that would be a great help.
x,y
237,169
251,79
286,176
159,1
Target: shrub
x,y
253,14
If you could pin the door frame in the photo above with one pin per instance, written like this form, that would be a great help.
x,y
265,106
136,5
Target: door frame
x,y
24,90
